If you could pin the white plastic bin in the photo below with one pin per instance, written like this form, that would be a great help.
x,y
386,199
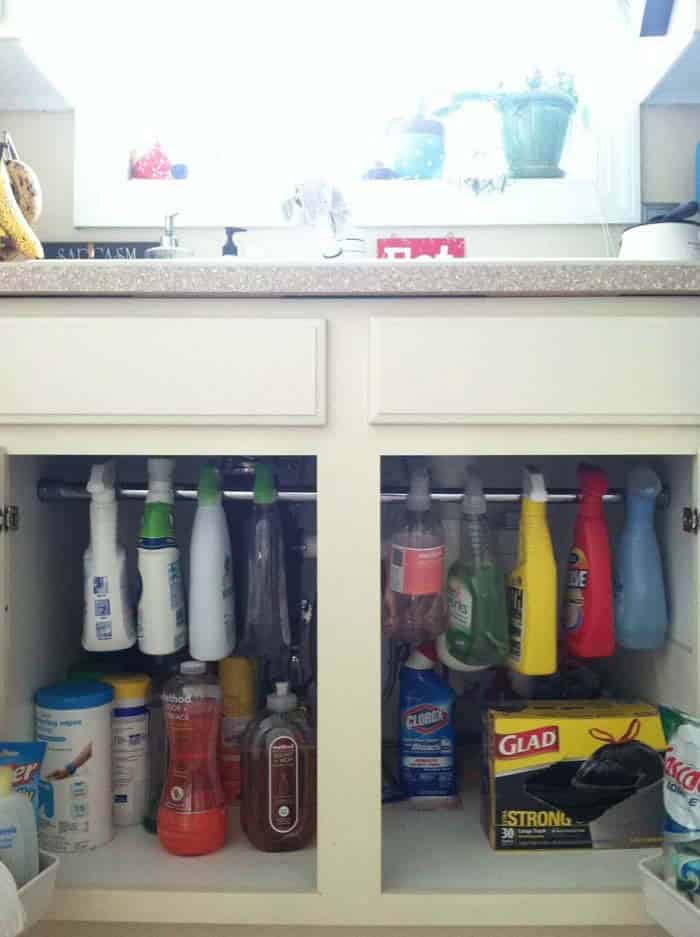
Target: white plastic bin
x,y
37,894
668,907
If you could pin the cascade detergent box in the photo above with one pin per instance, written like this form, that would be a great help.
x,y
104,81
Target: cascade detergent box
x,y
573,774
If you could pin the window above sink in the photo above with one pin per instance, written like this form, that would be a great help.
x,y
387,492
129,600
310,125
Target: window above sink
x,y
467,114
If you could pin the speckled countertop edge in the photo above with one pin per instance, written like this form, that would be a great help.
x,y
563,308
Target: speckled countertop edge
x,y
212,278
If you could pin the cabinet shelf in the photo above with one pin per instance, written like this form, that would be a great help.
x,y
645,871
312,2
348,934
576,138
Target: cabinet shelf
x,y
135,860
447,850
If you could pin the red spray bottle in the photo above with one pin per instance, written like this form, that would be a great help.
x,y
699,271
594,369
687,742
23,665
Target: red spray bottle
x,y
588,606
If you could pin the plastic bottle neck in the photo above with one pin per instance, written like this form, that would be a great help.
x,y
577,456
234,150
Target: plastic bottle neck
x,y
640,509
103,525
533,512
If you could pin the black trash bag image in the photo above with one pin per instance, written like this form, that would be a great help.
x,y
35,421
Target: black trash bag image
x,y
619,764
610,775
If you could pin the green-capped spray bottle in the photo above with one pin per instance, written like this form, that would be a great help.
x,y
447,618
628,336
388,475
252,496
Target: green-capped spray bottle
x,y
212,622
477,631
162,621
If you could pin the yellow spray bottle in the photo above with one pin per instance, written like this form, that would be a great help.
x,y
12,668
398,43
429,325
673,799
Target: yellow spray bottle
x,y
532,586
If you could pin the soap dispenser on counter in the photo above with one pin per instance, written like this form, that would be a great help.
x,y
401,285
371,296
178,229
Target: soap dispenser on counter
x,y
169,247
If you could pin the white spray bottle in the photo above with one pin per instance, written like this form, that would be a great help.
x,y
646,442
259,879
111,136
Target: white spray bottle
x,y
212,621
162,624
109,617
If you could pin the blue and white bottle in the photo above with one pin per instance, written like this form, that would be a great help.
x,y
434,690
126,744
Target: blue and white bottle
x,y
641,613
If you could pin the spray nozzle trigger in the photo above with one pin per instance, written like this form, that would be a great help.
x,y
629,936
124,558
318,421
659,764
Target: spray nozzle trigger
x,y
474,501
103,477
533,484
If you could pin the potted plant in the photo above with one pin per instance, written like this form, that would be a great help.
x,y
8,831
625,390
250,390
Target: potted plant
x,y
535,122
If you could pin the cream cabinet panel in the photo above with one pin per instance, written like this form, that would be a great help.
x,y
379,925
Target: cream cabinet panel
x,y
500,369
163,370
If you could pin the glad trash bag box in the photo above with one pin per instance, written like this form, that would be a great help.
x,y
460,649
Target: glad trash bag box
x,y
570,774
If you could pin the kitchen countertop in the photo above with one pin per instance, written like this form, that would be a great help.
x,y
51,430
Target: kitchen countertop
x,y
233,278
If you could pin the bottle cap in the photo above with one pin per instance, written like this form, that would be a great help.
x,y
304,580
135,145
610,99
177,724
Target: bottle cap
x,y
101,484
193,668
74,694
5,780
237,679
423,657
209,491
157,522
474,501
160,480
264,492
533,484
592,481
419,492
644,482
131,686
281,700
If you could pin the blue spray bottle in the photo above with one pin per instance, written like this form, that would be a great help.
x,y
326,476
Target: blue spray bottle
x,y
641,614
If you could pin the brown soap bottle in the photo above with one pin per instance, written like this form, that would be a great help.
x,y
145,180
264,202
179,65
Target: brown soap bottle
x,y
278,776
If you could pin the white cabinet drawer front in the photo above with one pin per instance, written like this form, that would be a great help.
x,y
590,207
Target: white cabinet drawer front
x,y
548,369
162,370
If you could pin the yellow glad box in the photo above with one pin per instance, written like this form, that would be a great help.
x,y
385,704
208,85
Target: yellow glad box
x,y
549,731
573,774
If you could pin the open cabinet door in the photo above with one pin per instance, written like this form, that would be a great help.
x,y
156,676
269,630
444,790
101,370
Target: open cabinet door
x,y
4,589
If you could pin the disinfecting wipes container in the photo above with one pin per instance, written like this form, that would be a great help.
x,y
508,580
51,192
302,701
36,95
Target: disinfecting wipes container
x,y
75,796
130,755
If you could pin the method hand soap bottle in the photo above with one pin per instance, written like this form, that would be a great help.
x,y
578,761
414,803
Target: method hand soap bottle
x,y
532,586
109,616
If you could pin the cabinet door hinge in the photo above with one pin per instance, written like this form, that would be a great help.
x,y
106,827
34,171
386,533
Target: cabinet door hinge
x,y
9,518
691,520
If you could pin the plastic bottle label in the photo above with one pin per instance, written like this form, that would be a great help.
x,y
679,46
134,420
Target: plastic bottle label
x,y
516,615
130,762
189,720
417,570
577,580
175,583
283,784
459,632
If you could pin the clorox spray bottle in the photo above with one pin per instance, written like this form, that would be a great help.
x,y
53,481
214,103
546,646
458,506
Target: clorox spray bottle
x,y
532,586
426,733
109,617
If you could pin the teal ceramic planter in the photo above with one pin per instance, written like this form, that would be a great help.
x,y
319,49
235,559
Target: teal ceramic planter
x,y
534,125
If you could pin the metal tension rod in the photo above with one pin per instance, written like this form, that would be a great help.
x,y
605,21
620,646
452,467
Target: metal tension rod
x,y
51,490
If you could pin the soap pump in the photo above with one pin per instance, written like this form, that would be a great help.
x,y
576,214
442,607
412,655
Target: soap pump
x,y
230,248
169,247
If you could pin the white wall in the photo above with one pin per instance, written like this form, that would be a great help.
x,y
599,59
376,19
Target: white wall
x,y
669,135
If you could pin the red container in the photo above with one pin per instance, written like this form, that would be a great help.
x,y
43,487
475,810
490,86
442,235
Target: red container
x,y
192,817
588,605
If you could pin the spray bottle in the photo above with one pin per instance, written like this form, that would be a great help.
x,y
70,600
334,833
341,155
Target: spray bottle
x,y
477,632
414,607
641,613
162,625
532,586
588,615
212,622
109,618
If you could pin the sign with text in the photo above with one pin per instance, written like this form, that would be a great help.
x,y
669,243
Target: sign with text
x,y
96,250
420,248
